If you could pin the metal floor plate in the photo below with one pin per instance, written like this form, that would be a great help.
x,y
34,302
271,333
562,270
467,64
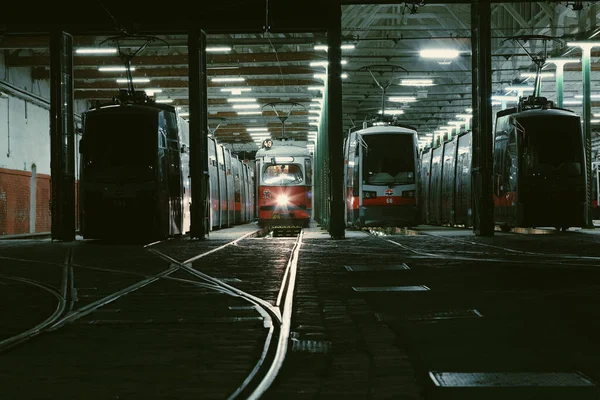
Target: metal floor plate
x,y
427,316
311,346
376,267
510,379
390,288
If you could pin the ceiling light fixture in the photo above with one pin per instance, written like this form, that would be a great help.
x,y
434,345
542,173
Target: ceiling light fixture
x,y
115,69
416,82
134,80
439,53
229,79
213,49
106,50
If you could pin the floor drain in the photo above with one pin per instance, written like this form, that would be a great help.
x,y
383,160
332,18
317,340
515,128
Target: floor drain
x,y
310,346
376,267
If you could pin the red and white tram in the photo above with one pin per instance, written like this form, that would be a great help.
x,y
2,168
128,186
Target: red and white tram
x,y
380,176
284,182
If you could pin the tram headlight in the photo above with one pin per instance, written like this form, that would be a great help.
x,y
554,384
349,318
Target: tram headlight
x,y
282,200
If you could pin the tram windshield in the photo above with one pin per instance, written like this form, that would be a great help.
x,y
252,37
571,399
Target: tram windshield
x,y
388,159
282,174
551,147
120,140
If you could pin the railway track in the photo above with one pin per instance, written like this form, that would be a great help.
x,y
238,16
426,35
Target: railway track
x,y
276,317
489,319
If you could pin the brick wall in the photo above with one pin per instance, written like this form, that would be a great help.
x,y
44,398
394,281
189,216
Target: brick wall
x,y
15,187
43,216
14,201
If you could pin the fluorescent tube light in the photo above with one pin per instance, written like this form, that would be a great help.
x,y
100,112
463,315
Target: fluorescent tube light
x,y
229,79
439,53
242,100
134,80
218,48
392,112
96,50
115,69
417,82
402,99
249,113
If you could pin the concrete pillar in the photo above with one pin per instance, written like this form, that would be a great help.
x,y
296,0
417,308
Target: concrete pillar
x,y
337,228
62,136
200,211
483,206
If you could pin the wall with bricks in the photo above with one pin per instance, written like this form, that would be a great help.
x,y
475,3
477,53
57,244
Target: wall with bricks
x,y
25,146
15,202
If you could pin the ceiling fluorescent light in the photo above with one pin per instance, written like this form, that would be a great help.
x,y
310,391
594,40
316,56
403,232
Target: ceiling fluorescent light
x,y
439,53
249,113
164,100
184,114
321,88
392,112
134,80
344,76
417,82
229,79
115,69
151,92
218,48
533,74
245,106
242,100
257,129
348,46
319,63
236,90
106,50
402,99
322,47
572,102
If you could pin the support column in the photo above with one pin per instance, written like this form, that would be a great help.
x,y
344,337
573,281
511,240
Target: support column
x,y
62,136
483,206
198,96
560,67
337,228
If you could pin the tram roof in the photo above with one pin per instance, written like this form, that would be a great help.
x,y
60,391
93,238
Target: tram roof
x,y
386,129
283,148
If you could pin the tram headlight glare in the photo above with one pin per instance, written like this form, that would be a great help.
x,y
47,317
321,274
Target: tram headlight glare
x,y
282,200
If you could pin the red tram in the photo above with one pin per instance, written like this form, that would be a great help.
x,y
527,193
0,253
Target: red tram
x,y
284,182
380,182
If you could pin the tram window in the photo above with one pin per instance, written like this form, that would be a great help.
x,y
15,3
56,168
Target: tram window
x,y
283,174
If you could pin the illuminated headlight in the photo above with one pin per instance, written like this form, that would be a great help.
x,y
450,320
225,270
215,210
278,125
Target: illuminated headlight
x,y
282,200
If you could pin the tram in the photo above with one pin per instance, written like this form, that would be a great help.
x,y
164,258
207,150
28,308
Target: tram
x,y
538,171
284,184
135,179
131,181
380,176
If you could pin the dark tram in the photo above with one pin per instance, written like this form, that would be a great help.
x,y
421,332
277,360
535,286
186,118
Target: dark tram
x,y
538,171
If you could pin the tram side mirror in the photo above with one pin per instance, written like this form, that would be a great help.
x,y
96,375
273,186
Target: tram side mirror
x,y
273,160
184,149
